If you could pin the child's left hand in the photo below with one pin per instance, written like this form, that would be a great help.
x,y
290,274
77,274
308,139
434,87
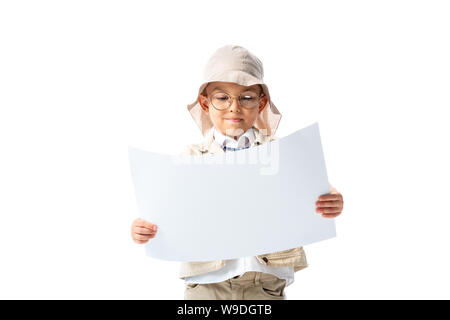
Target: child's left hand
x,y
330,205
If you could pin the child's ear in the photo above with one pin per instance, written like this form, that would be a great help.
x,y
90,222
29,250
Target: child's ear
x,y
203,101
262,103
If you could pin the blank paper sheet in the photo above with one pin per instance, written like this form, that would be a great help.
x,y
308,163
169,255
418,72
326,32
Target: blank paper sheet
x,y
240,203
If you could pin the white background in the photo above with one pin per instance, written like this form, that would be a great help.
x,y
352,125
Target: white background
x,y
82,80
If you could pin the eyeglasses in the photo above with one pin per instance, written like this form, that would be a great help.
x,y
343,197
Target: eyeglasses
x,y
222,101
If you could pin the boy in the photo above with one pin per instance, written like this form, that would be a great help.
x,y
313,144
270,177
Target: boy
x,y
234,111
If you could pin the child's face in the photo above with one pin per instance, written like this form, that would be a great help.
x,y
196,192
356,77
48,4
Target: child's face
x,y
222,118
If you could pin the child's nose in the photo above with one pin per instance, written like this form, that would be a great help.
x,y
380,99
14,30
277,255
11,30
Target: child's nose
x,y
234,105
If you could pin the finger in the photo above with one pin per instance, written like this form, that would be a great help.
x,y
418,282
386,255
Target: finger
x,y
325,204
139,222
329,210
145,224
141,230
331,215
329,197
142,237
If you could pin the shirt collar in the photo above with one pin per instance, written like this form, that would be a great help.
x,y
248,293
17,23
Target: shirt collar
x,y
245,140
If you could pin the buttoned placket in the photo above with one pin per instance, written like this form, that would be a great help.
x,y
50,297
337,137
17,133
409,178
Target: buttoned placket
x,y
244,141
238,144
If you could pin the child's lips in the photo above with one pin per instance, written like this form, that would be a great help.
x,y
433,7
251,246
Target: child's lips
x,y
233,119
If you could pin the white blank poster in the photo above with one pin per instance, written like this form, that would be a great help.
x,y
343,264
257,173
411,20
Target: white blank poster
x,y
242,203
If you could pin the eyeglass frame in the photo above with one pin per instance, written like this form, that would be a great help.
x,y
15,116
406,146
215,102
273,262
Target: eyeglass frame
x,y
233,97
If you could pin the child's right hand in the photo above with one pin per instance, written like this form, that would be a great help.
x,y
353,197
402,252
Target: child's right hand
x,y
142,231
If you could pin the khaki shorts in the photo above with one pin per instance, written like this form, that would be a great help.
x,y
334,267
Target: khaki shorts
x,y
250,286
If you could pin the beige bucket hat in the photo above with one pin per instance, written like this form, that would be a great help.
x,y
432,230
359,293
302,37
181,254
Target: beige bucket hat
x,y
236,64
